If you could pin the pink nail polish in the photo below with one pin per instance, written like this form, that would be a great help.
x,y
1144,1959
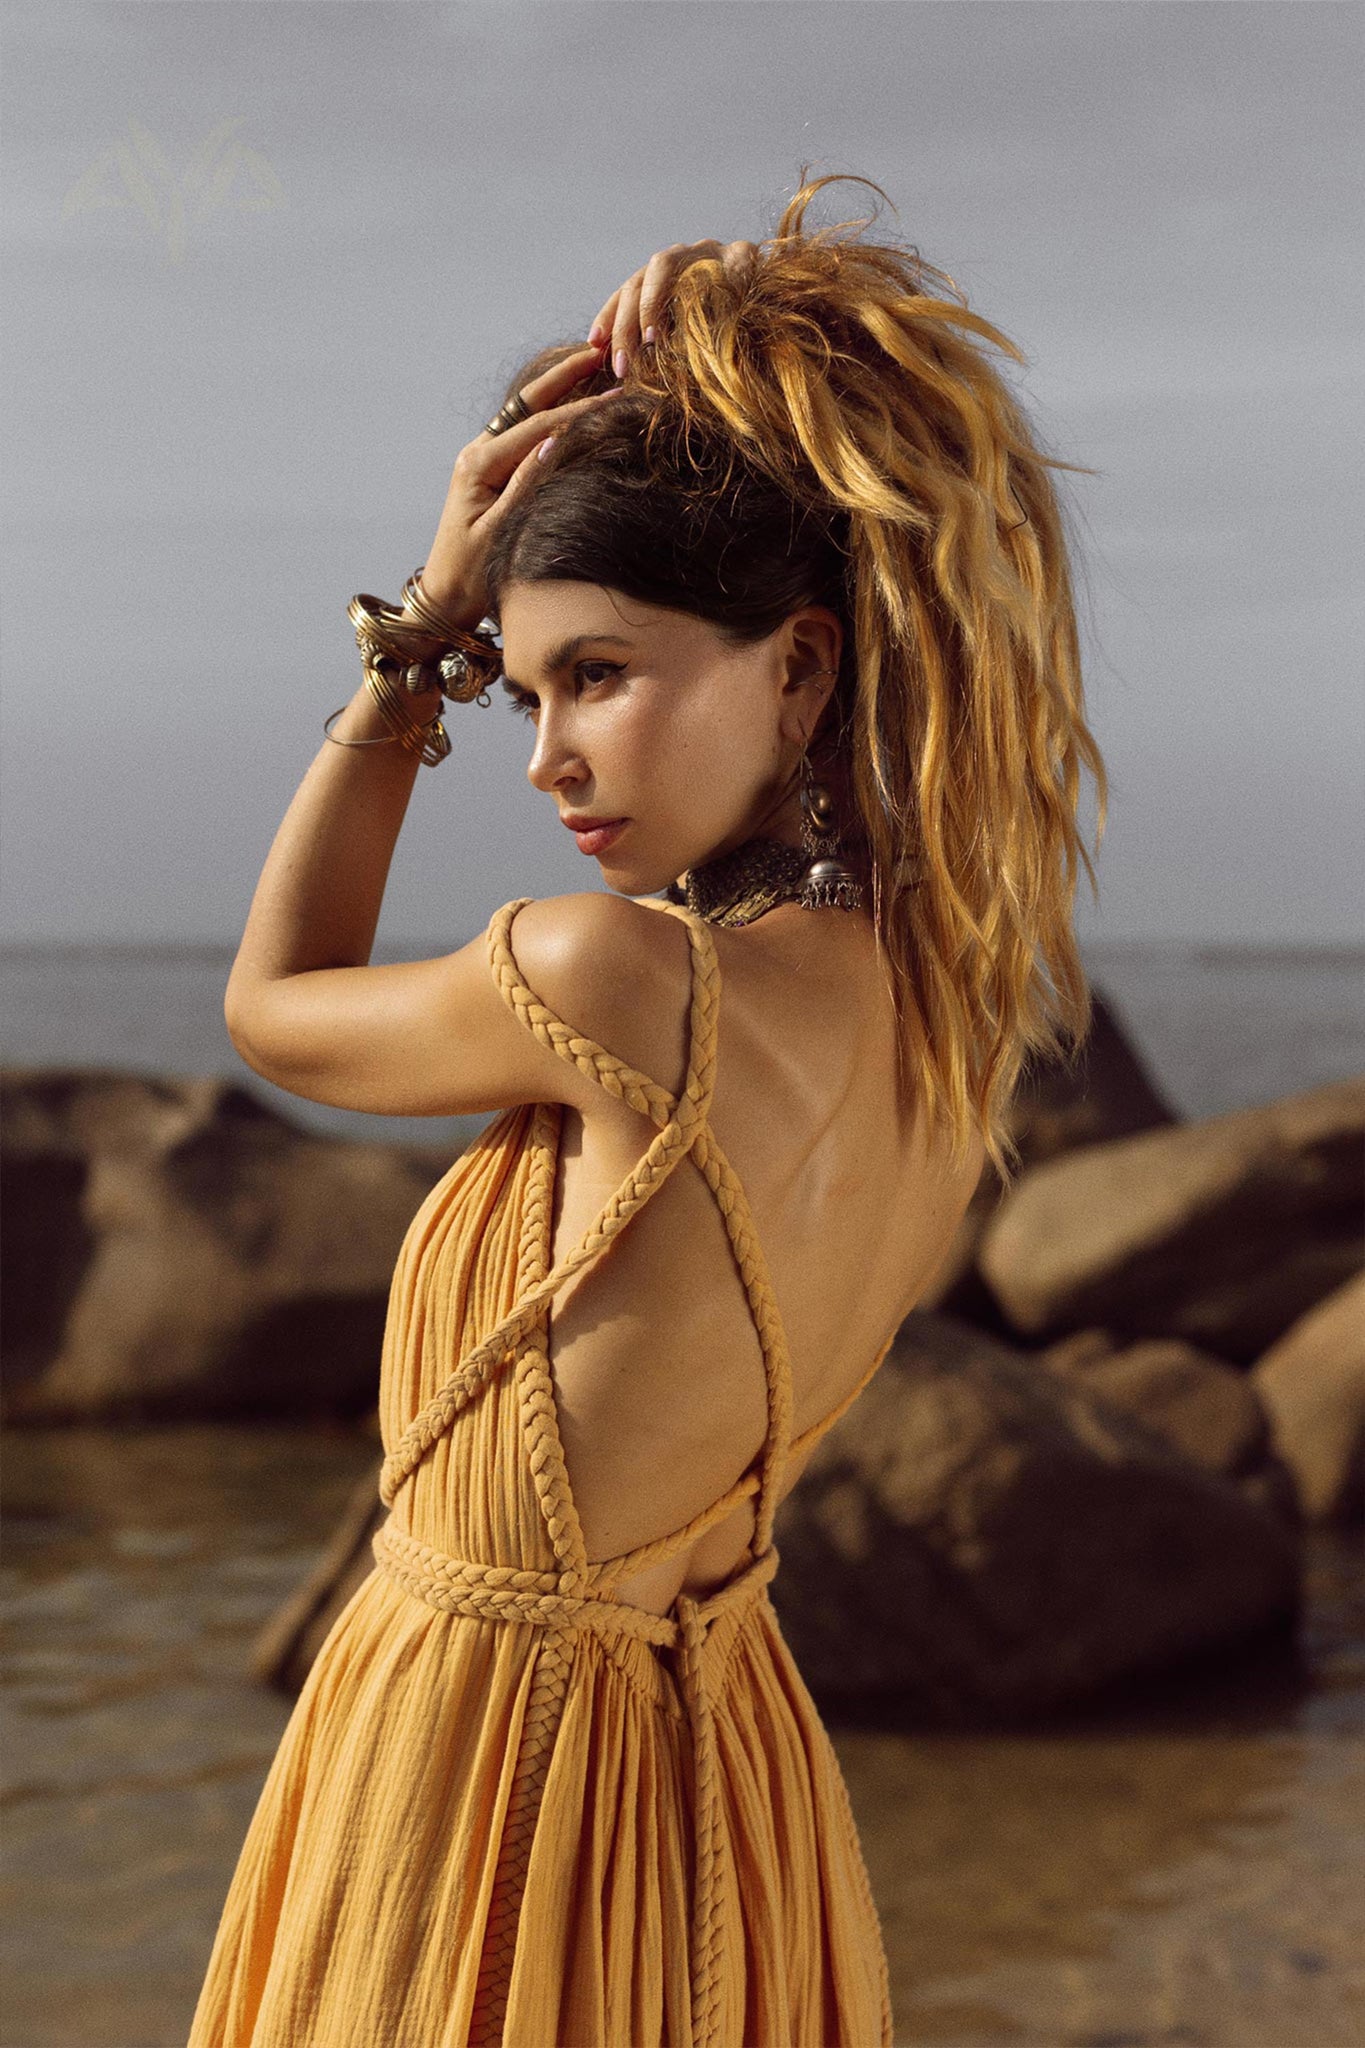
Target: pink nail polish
x,y
596,335
620,363
650,333
546,445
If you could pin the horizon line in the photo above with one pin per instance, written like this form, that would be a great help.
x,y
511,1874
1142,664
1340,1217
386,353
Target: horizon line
x,y
1267,949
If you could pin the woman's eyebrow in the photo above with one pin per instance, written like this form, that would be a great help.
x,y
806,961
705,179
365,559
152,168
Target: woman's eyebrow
x,y
560,655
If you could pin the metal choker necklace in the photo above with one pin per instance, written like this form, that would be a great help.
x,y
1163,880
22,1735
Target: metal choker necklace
x,y
740,886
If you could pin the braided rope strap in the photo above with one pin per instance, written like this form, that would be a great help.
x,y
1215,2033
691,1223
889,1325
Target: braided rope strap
x,y
669,1145
549,1679
648,1097
707,1941
752,1264
540,1726
625,1082
560,1612
432,1421
737,1216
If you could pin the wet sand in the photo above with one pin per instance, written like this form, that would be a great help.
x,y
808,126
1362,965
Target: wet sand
x,y
1181,1869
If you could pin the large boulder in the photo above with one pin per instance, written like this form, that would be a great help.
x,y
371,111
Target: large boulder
x,y
52,1123
1106,1091
1204,1408
977,1536
1103,1091
174,1248
1312,1385
1221,1232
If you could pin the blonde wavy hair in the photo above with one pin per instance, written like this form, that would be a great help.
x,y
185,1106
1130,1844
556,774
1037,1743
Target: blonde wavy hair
x,y
827,427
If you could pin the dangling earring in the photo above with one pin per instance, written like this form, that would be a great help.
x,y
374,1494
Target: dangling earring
x,y
830,882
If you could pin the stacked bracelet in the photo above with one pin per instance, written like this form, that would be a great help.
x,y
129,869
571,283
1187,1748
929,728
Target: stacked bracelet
x,y
412,645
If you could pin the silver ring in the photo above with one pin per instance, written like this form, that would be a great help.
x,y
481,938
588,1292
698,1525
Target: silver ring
x,y
508,415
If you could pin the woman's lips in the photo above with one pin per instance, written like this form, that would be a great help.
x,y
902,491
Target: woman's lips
x,y
599,837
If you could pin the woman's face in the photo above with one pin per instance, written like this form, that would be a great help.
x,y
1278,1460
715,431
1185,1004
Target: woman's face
x,y
644,714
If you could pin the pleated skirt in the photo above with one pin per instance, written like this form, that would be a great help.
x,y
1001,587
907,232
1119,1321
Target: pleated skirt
x,y
356,1914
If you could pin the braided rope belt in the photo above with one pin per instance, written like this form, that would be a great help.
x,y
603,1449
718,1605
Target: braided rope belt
x,y
459,1585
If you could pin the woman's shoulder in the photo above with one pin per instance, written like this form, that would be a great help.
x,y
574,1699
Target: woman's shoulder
x,y
614,968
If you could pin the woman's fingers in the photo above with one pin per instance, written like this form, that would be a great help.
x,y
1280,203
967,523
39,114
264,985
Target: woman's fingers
x,y
655,280
491,458
518,464
547,387
488,474
637,305
643,295
625,333
492,470
603,324
652,285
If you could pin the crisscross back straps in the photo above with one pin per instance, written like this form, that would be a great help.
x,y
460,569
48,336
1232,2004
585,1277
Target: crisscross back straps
x,y
646,1094
684,1131
684,1120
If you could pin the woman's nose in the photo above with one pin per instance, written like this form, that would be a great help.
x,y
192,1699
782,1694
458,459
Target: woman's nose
x,y
552,764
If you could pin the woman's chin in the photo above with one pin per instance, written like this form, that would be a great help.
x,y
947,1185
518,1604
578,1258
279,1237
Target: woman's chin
x,y
626,878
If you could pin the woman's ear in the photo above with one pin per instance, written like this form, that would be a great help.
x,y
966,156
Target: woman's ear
x,y
812,644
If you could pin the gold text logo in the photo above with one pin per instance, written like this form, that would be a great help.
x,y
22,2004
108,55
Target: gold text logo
x,y
222,172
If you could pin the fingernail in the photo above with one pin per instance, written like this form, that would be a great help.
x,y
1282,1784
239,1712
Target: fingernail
x,y
649,337
546,445
597,334
620,364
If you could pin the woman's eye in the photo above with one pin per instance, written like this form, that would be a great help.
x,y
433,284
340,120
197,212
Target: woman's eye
x,y
609,668
527,707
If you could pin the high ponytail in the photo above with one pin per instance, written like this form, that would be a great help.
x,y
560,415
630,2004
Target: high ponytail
x,y
827,429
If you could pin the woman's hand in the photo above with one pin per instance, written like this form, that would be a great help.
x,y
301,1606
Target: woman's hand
x,y
631,314
490,472
493,469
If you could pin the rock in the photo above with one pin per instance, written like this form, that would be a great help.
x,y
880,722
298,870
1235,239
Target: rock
x,y
1312,1383
51,1122
1058,1105
957,1287
1205,1409
183,1250
979,1536
1106,1093
1220,1232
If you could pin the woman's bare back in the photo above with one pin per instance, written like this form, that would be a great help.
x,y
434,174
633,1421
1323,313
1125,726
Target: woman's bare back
x,y
656,1360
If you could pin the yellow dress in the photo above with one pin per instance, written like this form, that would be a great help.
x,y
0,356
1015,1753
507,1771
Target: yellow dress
x,y
508,1807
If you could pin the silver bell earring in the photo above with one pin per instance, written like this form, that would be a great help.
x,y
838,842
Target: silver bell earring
x,y
830,882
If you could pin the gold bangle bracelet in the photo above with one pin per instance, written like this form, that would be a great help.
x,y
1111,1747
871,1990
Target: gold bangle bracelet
x,y
408,649
385,739
431,742
415,635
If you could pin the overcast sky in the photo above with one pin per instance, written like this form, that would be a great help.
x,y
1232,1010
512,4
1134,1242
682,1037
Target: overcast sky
x,y
222,419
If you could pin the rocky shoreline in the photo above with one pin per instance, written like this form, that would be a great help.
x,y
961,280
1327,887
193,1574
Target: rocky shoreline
x,y
1089,1455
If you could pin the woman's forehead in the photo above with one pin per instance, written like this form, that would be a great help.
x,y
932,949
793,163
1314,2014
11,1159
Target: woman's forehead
x,y
538,620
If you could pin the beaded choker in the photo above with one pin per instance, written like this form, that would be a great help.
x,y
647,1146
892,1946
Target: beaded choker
x,y
740,886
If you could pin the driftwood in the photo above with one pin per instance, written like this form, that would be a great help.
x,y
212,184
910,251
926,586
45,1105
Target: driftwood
x,y
285,1648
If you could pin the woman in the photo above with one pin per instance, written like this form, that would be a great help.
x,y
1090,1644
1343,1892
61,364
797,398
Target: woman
x,y
781,587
